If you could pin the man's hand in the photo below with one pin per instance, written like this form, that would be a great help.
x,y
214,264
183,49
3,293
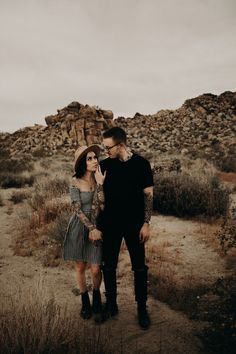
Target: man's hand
x,y
95,235
144,233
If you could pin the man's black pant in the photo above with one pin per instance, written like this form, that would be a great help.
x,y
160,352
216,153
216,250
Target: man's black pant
x,y
111,247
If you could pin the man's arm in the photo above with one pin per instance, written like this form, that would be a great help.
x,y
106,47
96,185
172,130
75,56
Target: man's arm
x,y
148,206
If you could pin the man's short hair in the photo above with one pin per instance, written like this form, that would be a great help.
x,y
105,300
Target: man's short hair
x,y
117,134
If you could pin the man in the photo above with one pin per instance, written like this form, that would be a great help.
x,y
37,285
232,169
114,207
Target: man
x,y
128,189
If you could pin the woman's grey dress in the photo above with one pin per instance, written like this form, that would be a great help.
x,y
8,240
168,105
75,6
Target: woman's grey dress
x,y
77,246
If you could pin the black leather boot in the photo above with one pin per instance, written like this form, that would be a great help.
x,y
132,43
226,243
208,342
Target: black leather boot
x,y
86,311
97,306
97,302
143,317
110,309
140,285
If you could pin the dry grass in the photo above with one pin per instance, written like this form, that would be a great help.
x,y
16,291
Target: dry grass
x,y
41,226
165,285
32,322
207,233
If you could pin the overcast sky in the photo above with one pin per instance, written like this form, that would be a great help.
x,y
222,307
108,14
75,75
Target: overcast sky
x,y
125,55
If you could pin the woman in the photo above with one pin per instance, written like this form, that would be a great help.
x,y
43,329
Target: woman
x,y
83,240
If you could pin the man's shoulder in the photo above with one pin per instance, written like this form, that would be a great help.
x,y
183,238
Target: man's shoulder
x,y
139,158
105,161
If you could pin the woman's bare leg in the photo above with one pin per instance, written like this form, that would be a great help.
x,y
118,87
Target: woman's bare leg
x,y
80,276
96,275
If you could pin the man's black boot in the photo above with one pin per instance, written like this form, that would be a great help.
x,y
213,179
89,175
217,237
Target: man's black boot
x,y
140,285
97,302
143,317
86,311
110,308
97,306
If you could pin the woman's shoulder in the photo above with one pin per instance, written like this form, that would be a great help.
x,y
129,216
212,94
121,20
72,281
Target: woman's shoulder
x,y
76,183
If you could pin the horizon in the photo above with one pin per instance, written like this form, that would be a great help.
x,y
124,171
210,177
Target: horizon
x,y
115,117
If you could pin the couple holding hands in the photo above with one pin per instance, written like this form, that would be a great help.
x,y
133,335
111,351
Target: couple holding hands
x,y
110,200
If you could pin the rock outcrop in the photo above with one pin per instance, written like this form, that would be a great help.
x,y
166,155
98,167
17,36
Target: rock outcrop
x,y
72,126
204,126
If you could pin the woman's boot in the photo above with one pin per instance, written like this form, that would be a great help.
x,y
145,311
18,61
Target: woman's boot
x,y
86,311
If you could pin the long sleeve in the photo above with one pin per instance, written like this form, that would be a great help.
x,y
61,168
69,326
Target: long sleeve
x,y
98,203
76,208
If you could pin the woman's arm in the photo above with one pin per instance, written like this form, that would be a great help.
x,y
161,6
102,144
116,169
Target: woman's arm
x,y
101,196
76,207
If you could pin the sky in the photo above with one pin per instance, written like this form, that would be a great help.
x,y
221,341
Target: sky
x,y
127,56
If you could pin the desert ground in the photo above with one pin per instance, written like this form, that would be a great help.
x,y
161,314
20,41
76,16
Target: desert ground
x,y
181,253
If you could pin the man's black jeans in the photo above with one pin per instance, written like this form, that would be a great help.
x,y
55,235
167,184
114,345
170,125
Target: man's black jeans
x,y
111,247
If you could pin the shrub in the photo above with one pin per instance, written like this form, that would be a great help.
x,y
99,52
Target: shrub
x,y
16,180
16,165
227,164
227,235
48,189
35,323
1,200
40,152
57,229
183,195
54,187
18,197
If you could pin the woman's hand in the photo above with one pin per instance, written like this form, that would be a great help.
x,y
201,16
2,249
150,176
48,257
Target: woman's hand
x,y
99,177
95,235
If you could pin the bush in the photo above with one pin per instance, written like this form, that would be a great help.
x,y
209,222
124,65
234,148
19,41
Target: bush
x,y
1,200
16,165
40,152
48,189
183,195
227,164
227,235
57,229
18,197
16,180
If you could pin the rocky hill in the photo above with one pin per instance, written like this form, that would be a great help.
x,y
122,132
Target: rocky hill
x,y
204,126
72,126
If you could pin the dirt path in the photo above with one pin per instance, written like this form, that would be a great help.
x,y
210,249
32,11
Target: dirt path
x,y
171,331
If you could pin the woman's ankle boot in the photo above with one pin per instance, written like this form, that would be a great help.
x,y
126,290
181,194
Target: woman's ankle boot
x,y
86,311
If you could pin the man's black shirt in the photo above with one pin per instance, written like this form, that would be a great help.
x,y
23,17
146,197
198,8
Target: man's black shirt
x,y
123,189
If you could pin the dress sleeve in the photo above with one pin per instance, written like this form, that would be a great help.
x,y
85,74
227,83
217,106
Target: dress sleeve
x,y
100,196
76,207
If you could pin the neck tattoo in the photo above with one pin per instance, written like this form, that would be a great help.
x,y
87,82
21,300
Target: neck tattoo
x,y
129,155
